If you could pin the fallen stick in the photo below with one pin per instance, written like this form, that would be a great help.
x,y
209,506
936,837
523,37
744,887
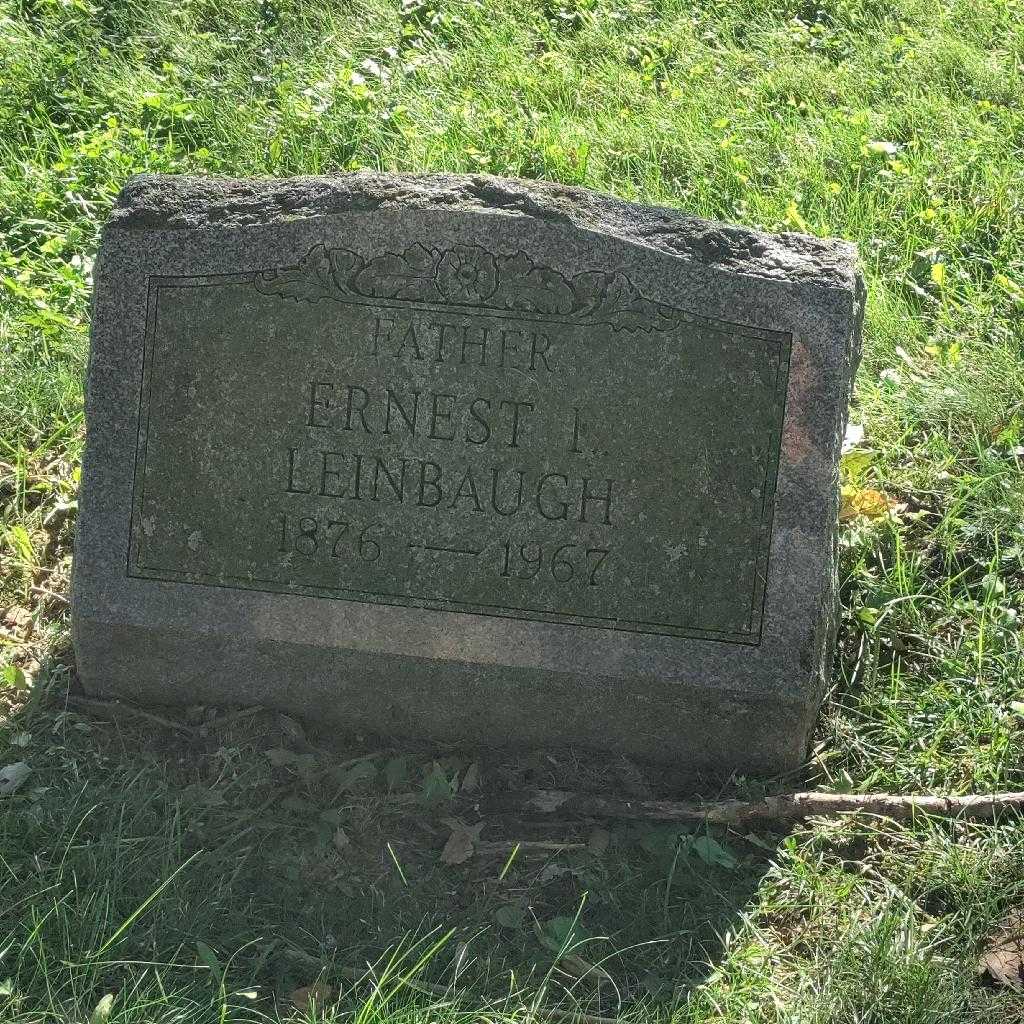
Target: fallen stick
x,y
231,717
113,708
788,807
503,845
785,808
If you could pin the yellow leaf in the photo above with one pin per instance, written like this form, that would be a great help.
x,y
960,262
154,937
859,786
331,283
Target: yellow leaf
x,y
101,1014
867,502
793,218
1008,285
855,464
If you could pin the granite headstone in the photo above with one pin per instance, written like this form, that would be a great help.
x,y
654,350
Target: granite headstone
x,y
465,457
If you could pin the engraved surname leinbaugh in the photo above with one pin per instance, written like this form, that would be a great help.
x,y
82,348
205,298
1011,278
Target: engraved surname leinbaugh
x,y
449,428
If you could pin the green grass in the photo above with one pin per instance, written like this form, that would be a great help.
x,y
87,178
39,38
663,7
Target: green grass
x,y
196,877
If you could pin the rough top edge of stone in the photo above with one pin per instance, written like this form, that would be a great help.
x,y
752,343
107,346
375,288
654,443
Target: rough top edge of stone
x,y
169,202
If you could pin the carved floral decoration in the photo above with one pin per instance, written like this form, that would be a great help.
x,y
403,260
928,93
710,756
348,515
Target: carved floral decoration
x,y
469,275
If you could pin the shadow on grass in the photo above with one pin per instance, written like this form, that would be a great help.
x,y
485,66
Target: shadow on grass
x,y
229,850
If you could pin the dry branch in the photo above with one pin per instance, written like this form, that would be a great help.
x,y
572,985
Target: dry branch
x,y
786,808
113,708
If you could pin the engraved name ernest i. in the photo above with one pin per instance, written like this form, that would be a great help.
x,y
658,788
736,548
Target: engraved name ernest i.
x,y
470,421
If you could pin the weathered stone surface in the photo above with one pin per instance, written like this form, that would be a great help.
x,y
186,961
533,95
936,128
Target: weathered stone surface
x,y
473,458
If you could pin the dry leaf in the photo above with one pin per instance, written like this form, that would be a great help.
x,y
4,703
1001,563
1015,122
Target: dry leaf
x,y
18,620
580,968
471,780
13,776
459,959
462,842
1003,959
553,870
856,501
17,617
318,993
458,849
547,801
101,1014
292,732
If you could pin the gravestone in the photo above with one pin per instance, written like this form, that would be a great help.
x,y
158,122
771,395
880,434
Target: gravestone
x,y
478,459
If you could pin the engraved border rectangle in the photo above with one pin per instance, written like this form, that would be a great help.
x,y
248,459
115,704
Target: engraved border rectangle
x,y
136,570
